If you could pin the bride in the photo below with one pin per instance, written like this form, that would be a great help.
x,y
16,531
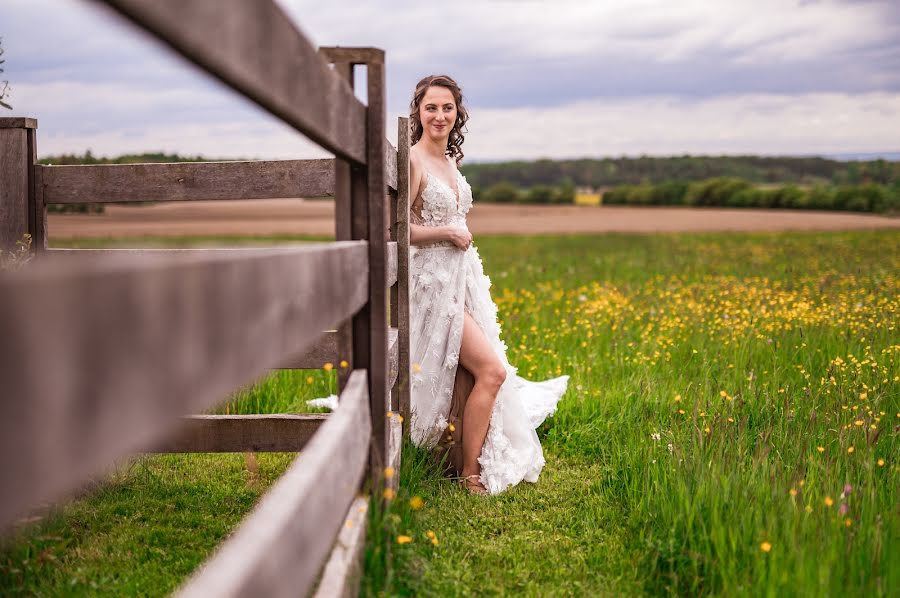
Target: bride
x,y
463,387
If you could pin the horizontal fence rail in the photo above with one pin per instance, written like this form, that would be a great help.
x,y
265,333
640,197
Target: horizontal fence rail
x,y
129,343
193,181
187,181
280,548
277,433
254,48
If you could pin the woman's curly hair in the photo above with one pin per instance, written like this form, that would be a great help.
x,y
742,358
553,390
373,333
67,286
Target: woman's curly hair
x,y
454,144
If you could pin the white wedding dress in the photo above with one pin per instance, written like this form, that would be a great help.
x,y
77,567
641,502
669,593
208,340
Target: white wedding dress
x,y
444,282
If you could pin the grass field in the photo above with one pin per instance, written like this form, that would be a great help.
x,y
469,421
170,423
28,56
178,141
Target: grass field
x,y
731,428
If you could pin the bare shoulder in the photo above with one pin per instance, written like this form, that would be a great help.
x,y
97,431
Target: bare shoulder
x,y
415,172
415,159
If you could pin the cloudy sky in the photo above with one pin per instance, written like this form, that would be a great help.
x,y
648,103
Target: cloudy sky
x,y
542,78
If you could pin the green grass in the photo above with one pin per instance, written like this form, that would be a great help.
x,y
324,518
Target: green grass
x,y
653,329
648,327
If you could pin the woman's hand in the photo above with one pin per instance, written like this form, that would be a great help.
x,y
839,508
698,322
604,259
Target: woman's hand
x,y
461,237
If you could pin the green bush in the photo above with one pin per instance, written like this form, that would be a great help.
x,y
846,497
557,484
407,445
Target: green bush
x,y
821,198
739,193
669,193
540,194
860,198
714,192
616,195
502,193
566,192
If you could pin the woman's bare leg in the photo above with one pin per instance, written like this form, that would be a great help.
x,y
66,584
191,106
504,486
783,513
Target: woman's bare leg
x,y
476,355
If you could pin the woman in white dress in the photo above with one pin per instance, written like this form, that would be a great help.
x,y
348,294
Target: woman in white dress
x,y
454,331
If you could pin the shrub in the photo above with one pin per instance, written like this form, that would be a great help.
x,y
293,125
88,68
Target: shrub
x,y
789,196
714,192
860,198
821,198
502,192
669,193
566,192
540,194
616,195
739,193
745,198
641,195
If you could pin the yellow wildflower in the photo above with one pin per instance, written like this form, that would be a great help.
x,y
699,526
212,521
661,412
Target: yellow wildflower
x,y
344,364
765,547
828,501
792,492
388,472
389,494
850,450
403,539
881,463
309,379
821,449
416,503
328,366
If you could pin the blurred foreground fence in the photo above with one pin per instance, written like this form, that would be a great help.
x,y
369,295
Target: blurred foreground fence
x,y
105,353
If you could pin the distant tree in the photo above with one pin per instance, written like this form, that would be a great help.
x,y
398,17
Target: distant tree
x,y
4,85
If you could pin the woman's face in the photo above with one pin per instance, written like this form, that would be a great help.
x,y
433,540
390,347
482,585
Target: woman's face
x,y
437,110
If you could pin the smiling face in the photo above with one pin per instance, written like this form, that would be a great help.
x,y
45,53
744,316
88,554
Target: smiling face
x,y
437,112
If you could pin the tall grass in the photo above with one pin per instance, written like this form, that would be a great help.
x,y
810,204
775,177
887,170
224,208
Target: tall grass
x,y
731,425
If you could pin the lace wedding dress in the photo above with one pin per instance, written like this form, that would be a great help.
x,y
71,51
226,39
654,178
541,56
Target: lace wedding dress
x,y
446,282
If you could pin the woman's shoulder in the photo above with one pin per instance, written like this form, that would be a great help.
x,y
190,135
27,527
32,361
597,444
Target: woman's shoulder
x,y
415,158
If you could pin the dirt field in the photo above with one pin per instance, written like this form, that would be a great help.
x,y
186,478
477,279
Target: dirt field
x,y
316,217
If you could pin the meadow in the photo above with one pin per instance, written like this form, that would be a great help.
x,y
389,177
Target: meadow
x,y
731,428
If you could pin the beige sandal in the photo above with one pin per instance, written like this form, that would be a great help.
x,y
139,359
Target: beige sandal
x,y
472,488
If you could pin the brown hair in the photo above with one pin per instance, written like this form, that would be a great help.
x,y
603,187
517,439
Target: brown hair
x,y
454,144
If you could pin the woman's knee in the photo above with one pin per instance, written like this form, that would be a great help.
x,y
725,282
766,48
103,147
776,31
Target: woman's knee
x,y
493,376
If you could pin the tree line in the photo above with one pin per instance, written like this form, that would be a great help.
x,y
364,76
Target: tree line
x,y
610,172
731,181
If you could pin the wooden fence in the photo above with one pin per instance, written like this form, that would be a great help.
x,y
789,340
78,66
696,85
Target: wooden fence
x,y
104,352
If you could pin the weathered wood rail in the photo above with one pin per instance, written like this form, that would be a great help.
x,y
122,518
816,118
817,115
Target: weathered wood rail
x,y
107,353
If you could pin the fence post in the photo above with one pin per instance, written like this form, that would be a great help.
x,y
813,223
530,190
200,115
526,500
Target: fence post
x,y
401,226
367,190
379,392
18,154
343,231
